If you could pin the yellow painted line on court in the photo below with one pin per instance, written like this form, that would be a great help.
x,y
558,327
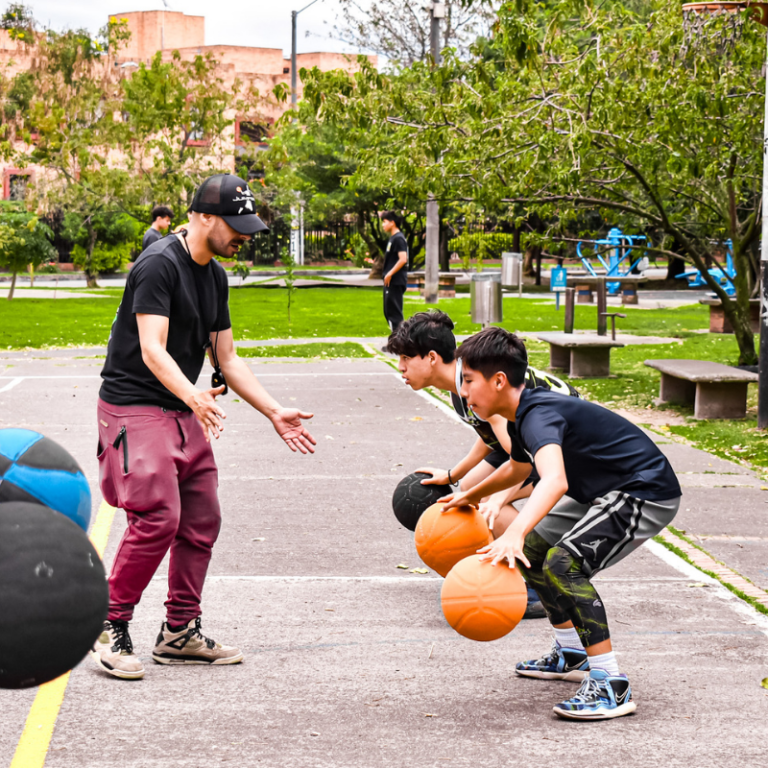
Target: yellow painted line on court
x,y
32,748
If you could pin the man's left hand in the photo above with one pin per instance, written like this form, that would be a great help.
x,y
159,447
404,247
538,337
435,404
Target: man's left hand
x,y
287,424
387,279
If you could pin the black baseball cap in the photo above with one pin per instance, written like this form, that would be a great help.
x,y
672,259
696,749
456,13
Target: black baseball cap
x,y
230,198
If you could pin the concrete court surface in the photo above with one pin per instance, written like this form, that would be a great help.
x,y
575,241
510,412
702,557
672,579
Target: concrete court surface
x,y
349,662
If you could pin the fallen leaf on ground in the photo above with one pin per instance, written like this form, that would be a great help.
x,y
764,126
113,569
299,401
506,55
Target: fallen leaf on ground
x,y
765,682
259,538
400,565
416,418
419,570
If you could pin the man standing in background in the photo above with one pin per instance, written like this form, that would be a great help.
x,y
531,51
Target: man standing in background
x,y
161,220
395,269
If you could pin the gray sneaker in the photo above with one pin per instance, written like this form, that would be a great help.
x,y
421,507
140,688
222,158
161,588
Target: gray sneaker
x,y
191,646
113,652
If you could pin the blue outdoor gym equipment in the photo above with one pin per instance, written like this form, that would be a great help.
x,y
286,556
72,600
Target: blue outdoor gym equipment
x,y
620,261
724,277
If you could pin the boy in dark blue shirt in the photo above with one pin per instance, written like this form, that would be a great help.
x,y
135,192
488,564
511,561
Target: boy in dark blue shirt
x,y
621,491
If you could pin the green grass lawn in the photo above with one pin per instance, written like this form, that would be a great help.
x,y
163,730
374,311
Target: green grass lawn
x,y
261,313
315,350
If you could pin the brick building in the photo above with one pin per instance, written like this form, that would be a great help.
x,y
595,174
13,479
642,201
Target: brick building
x,y
169,31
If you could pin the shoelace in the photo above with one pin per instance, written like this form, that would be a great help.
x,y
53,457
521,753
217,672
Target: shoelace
x,y
589,688
122,638
195,632
550,659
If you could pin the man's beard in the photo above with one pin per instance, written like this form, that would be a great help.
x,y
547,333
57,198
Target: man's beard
x,y
220,245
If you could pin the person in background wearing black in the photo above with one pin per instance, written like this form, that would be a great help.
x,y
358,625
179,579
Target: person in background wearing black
x,y
395,270
161,220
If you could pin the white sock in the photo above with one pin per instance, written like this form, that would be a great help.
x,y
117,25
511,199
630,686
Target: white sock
x,y
568,638
605,661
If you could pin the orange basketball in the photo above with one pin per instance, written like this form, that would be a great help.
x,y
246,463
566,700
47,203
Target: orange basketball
x,y
444,538
483,601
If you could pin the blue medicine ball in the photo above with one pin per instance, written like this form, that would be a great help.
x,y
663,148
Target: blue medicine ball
x,y
35,469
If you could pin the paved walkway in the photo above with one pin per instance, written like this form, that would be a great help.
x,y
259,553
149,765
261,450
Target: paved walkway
x,y
349,662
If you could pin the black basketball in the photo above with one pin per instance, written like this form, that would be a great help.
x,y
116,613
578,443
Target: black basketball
x,y
53,594
411,498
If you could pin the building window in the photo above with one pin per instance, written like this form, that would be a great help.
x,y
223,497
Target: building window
x,y
15,181
197,136
251,132
286,70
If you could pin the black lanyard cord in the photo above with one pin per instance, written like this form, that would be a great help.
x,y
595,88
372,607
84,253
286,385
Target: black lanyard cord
x,y
217,378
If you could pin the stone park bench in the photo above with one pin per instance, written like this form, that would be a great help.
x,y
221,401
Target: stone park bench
x,y
585,286
719,323
580,356
446,288
716,391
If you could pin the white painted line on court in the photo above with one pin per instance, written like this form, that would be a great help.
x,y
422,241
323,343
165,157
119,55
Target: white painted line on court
x,y
303,579
292,478
14,382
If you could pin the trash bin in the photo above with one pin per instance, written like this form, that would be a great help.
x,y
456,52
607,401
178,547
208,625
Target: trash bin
x,y
485,298
511,264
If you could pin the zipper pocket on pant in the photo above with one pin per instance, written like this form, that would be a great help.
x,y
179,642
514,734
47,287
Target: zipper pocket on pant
x,y
122,437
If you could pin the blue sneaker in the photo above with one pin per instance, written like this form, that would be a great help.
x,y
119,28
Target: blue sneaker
x,y
559,664
534,609
600,697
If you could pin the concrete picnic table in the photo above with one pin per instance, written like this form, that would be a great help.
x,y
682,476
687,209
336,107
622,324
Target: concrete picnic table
x,y
580,355
715,390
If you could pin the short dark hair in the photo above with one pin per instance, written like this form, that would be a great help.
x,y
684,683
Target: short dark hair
x,y
423,332
392,216
160,212
494,349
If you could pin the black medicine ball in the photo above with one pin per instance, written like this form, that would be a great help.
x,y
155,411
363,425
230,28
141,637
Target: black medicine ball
x,y
53,594
411,498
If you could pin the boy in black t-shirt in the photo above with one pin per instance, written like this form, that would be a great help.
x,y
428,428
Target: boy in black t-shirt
x,y
621,491
426,347
395,270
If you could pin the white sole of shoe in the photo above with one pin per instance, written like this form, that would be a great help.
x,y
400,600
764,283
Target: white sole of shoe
x,y
574,676
123,675
605,714
178,661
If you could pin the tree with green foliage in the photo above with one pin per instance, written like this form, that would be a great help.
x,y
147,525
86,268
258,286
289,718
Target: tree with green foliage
x,y
24,241
583,106
116,141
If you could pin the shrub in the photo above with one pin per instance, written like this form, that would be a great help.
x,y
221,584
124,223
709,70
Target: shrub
x,y
105,259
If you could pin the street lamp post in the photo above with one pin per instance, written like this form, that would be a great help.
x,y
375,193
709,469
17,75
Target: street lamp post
x,y
759,14
294,14
432,259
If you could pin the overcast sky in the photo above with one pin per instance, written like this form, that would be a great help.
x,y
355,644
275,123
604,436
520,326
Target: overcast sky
x,y
260,23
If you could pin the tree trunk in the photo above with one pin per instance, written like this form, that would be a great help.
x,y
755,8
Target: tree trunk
x,y
377,270
445,257
91,280
532,253
737,311
13,286
31,275
675,267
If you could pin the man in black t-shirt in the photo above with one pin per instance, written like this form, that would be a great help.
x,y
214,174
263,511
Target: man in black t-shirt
x,y
161,222
621,490
155,424
395,270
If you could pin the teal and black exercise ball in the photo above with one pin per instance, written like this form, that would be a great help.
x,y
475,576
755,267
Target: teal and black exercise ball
x,y
411,498
36,469
53,594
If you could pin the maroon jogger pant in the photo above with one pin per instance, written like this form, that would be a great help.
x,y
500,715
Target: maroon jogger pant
x,y
156,465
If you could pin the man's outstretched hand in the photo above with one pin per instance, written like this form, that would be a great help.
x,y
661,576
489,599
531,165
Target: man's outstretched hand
x,y
287,424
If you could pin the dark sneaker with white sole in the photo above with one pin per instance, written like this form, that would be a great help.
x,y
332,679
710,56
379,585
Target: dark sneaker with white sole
x,y
600,697
113,652
559,664
190,646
